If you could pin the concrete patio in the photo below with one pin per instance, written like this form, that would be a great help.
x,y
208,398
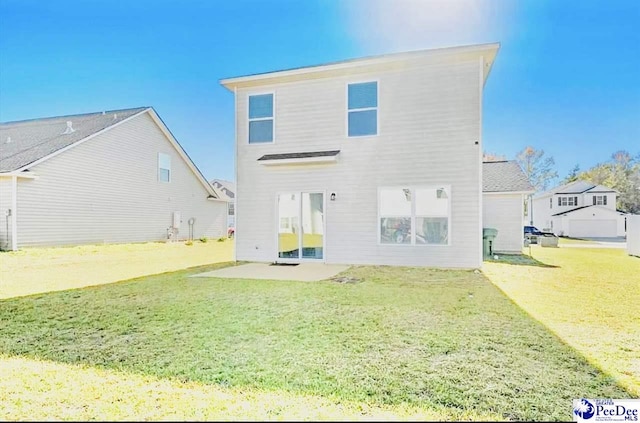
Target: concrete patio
x,y
305,272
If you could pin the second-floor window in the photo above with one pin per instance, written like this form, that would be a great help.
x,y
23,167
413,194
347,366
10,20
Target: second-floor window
x,y
260,118
164,167
599,200
567,201
362,105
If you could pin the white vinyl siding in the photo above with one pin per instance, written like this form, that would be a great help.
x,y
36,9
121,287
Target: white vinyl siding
x,y
261,118
6,195
504,212
72,202
429,122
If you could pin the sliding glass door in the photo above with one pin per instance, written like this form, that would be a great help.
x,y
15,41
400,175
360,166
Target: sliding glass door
x,y
301,226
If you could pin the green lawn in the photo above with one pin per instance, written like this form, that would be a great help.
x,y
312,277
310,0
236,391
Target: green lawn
x,y
35,270
405,343
589,297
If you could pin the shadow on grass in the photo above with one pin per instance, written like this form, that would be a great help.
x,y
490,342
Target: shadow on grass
x,y
519,260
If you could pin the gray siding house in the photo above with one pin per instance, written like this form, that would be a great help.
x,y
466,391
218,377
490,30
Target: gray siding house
x,y
107,177
369,161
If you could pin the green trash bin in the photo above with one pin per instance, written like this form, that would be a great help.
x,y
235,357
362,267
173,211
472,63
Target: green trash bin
x,y
488,239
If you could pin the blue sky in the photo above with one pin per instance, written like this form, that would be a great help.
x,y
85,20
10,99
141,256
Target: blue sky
x,y
566,80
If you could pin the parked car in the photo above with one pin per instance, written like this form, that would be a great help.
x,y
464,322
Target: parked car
x,y
532,230
531,234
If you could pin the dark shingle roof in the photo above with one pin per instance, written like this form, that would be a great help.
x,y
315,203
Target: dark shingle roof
x,y
299,155
31,140
504,176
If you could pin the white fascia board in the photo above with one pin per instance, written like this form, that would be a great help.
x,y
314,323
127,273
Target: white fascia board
x,y
185,157
231,83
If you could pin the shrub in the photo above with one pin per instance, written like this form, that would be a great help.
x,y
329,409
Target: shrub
x,y
188,242
222,239
204,239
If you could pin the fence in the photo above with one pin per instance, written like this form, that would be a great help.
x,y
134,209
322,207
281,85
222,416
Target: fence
x,y
633,235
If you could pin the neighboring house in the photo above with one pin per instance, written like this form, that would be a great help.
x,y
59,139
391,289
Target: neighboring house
x,y
368,161
227,190
108,177
505,189
579,209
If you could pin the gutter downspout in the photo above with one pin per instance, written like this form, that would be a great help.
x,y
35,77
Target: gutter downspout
x,y
14,213
235,199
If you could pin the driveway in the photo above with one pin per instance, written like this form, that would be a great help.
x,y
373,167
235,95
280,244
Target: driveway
x,y
615,242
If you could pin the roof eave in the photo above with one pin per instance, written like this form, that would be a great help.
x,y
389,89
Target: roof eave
x,y
314,71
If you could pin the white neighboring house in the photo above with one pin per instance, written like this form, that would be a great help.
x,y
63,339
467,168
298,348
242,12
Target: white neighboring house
x,y
227,190
107,177
368,161
505,189
579,209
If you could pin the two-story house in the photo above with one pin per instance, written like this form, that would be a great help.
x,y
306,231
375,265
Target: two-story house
x,y
579,209
369,161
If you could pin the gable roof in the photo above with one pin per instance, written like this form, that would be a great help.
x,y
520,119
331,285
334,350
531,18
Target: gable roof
x,y
25,142
576,187
35,140
504,176
354,66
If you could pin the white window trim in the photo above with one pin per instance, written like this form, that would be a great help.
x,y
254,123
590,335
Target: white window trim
x,y
377,109
160,168
413,215
324,227
273,117
599,200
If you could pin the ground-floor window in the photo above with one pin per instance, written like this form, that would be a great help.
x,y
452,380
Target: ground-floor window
x,y
414,215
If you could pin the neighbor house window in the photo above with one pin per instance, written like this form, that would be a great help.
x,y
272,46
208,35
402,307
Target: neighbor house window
x,y
362,109
599,200
414,215
164,167
260,118
567,201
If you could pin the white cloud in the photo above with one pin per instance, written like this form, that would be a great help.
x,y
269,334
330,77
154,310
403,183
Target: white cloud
x,y
393,25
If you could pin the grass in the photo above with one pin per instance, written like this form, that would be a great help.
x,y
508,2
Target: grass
x,y
36,270
405,343
589,298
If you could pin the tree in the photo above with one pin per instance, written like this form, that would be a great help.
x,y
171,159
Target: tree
x,y
622,173
539,169
573,175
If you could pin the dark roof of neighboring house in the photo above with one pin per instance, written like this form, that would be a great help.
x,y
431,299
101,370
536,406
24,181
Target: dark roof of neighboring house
x,y
504,176
226,187
572,210
584,207
299,155
577,187
24,142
